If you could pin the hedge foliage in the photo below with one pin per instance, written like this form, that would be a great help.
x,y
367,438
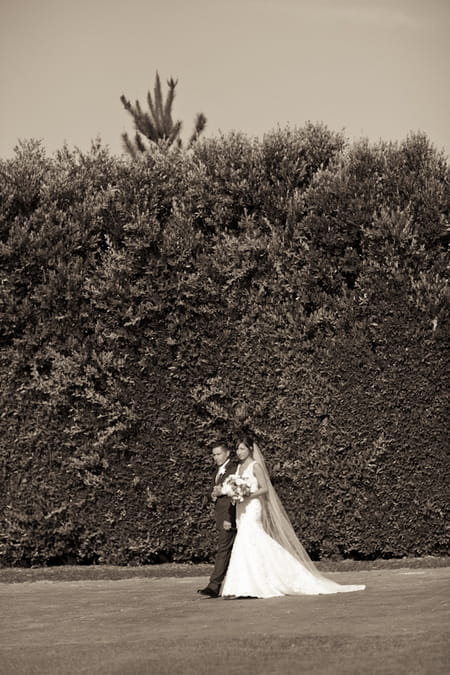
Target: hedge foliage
x,y
295,284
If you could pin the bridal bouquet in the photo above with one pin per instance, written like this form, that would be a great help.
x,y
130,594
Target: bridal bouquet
x,y
236,487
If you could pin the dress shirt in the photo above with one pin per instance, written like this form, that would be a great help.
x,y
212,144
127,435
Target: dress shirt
x,y
221,470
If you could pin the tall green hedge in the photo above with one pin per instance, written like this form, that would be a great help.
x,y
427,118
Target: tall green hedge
x,y
297,285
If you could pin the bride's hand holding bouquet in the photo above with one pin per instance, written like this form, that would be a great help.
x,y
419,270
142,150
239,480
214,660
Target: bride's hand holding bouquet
x,y
236,487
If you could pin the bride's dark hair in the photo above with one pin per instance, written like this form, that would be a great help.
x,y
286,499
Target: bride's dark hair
x,y
247,440
247,436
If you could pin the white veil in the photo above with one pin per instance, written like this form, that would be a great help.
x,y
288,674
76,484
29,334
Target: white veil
x,y
276,521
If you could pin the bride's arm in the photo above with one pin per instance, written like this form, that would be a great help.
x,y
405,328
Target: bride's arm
x,y
262,483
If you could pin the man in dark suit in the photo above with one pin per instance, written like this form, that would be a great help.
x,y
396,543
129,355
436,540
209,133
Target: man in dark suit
x,y
225,516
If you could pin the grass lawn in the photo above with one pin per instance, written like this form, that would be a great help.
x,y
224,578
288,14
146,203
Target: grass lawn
x,y
159,625
109,572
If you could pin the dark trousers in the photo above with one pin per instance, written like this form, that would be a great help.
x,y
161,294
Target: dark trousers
x,y
225,544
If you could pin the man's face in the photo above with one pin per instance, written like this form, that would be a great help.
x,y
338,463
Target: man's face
x,y
220,455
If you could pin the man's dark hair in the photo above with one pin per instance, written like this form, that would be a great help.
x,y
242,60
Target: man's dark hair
x,y
220,443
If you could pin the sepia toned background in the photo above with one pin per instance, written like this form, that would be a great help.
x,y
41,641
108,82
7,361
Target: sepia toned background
x,y
375,68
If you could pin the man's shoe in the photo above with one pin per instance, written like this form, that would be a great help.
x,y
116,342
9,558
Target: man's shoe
x,y
209,592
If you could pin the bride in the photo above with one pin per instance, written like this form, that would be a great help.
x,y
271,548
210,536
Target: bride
x,y
267,559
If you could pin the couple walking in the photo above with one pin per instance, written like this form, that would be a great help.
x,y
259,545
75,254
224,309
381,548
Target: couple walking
x,y
259,554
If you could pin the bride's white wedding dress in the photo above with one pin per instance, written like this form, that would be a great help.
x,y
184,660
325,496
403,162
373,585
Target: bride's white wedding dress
x,y
260,567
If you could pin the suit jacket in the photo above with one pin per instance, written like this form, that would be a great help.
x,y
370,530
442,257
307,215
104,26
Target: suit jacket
x,y
223,508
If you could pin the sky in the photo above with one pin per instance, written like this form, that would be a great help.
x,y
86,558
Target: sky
x,y
377,69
